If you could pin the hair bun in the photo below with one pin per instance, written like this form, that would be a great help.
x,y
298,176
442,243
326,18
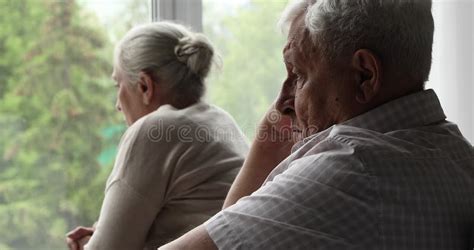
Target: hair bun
x,y
196,52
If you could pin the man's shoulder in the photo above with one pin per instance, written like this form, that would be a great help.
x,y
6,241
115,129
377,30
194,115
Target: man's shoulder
x,y
352,144
343,141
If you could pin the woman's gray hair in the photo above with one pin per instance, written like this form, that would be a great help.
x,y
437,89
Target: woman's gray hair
x,y
400,32
170,53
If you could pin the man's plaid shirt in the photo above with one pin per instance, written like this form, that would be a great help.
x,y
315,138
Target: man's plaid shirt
x,y
397,177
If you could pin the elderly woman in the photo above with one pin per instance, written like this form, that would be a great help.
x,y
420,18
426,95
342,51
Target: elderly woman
x,y
179,156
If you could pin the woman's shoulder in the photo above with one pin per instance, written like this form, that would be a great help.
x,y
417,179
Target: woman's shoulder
x,y
200,124
199,114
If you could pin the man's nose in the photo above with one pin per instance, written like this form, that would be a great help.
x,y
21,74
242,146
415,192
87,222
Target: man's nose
x,y
286,100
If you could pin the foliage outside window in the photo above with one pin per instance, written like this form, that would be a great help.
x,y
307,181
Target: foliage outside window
x,y
246,34
58,127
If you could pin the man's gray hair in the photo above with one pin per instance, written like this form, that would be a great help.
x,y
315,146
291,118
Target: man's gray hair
x,y
168,52
400,32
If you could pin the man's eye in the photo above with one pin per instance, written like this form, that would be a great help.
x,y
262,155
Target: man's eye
x,y
298,76
299,81
296,73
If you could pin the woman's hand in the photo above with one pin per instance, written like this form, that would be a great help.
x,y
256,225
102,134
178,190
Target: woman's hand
x,y
271,145
77,238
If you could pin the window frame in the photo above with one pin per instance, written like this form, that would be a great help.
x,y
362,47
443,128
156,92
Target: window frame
x,y
187,12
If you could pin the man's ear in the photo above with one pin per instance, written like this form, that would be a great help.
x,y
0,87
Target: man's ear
x,y
146,87
368,69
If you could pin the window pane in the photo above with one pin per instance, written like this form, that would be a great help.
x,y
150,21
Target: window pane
x,y
452,71
246,33
59,129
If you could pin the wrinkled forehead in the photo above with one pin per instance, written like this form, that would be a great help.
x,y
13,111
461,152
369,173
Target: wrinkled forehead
x,y
297,40
297,26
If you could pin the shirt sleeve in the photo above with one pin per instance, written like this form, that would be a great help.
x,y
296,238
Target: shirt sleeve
x,y
324,201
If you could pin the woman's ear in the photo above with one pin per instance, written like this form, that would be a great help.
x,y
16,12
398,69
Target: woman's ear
x,y
368,68
146,87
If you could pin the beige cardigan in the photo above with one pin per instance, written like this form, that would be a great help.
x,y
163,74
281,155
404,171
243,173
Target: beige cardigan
x,y
172,172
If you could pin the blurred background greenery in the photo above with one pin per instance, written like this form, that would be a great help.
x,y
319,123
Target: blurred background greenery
x,y
58,126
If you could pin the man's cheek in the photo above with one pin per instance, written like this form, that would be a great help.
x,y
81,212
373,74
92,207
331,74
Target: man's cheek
x,y
300,104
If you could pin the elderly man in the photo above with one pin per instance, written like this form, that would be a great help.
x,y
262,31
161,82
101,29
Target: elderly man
x,y
378,167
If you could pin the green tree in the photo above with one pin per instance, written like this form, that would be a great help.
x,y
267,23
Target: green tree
x,y
55,99
58,129
253,70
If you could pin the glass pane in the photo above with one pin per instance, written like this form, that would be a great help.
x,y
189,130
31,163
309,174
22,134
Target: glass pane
x,y
59,129
246,34
452,71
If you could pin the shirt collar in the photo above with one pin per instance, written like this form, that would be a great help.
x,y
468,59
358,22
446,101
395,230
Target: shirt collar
x,y
414,110
410,111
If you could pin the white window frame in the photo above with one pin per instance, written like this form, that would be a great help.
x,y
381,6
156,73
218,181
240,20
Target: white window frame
x,y
186,12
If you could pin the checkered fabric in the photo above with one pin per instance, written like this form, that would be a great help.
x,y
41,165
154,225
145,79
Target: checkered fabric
x,y
397,177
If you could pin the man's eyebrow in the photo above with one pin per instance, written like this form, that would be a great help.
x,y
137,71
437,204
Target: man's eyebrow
x,y
288,59
286,56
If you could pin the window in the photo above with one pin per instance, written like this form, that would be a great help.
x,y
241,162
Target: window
x,y
246,34
59,129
